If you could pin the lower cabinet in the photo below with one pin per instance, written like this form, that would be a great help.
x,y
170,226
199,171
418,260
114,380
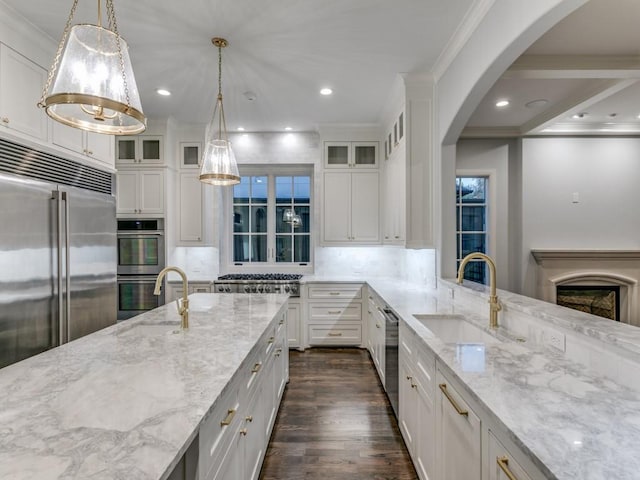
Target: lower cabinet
x,y
502,465
334,314
377,326
294,318
458,430
234,438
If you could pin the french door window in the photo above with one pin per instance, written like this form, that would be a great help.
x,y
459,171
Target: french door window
x,y
471,224
272,220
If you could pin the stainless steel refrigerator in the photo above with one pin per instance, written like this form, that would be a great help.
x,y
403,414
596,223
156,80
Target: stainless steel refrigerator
x,y
57,261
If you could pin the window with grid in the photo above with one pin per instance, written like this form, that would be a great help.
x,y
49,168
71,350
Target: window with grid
x,y
471,224
272,219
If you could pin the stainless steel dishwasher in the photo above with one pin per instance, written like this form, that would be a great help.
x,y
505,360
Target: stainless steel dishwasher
x,y
391,367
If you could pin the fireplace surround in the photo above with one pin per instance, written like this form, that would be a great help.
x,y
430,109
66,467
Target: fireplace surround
x,y
616,270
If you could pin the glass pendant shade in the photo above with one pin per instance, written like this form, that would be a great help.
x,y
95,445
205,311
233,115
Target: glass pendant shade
x,y
219,165
94,87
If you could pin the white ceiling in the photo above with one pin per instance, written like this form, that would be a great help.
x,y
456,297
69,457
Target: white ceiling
x,y
587,64
284,51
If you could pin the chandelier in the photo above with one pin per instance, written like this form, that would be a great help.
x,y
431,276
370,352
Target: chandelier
x,y
91,85
219,165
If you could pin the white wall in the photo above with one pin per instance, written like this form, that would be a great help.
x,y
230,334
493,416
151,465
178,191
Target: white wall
x,y
495,158
604,172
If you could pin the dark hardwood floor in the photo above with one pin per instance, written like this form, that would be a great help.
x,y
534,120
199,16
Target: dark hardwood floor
x,y
335,422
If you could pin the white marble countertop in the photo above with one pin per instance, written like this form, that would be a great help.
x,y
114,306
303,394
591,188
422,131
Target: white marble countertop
x,y
573,423
126,401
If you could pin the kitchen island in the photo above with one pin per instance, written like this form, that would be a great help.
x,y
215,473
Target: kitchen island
x,y
127,401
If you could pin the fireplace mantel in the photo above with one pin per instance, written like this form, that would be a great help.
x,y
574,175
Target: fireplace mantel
x,y
548,254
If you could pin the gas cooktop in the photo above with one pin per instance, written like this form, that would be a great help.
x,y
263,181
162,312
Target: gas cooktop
x,y
278,277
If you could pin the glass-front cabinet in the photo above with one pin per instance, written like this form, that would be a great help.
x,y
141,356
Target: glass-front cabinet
x,y
350,154
139,150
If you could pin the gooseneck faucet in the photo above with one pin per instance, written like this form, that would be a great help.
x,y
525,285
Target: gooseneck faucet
x,y
494,304
183,307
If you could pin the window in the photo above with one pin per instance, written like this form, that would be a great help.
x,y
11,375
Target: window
x,y
471,224
272,219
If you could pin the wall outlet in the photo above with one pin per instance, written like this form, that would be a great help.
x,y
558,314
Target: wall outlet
x,y
555,339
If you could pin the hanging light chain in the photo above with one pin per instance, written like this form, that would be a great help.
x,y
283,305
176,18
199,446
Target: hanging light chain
x,y
113,26
56,60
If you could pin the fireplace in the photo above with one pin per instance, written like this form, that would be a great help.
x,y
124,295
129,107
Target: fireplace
x,y
603,301
600,282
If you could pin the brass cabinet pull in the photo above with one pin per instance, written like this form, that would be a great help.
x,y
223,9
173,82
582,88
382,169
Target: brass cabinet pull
x,y
377,325
414,385
228,419
256,367
503,463
271,340
249,418
5,120
334,312
335,334
243,432
409,377
278,352
281,322
443,387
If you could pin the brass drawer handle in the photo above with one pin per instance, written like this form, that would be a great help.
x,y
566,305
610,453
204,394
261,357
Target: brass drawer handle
x,y
281,322
443,387
335,334
249,418
503,463
334,312
377,325
256,368
271,340
243,432
228,419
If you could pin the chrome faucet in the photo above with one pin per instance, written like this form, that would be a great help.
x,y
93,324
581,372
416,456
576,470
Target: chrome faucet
x,y
183,307
494,303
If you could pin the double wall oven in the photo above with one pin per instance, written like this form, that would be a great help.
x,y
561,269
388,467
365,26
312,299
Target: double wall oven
x,y
141,257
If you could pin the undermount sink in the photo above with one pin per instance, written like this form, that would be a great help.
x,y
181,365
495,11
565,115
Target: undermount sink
x,y
452,329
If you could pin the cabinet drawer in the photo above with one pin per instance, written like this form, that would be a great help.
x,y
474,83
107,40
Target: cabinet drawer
x,y
425,369
217,429
335,312
335,335
501,461
336,291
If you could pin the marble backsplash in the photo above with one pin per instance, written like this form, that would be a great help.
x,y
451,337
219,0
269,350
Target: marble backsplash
x,y
414,266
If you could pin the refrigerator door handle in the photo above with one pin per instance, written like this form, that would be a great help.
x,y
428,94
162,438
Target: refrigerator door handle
x,y
67,266
57,196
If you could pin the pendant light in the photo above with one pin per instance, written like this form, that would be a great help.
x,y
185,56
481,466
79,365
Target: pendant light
x,y
91,85
219,165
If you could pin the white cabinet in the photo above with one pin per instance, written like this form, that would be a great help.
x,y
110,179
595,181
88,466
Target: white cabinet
x,y
502,465
416,416
175,291
350,154
350,213
394,199
139,150
93,145
334,314
233,439
21,84
458,429
191,211
140,192
377,340
294,328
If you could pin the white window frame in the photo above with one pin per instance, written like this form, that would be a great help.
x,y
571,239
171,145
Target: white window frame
x,y
271,266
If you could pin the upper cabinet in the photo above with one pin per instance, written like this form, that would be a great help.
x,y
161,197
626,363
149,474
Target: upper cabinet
x,y
351,154
21,83
139,150
93,145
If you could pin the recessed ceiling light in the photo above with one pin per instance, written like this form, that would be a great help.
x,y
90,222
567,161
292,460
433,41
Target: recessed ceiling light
x,y
541,102
613,115
288,129
163,91
580,115
240,129
326,91
502,103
